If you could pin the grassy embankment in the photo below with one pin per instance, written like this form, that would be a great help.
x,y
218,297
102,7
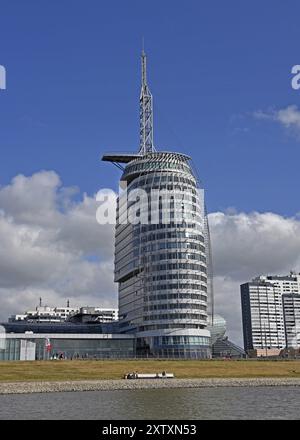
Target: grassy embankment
x,y
80,370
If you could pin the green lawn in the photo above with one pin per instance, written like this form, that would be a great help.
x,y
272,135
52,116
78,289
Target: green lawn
x,y
78,370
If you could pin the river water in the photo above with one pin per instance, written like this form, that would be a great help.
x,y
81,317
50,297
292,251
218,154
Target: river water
x,y
174,404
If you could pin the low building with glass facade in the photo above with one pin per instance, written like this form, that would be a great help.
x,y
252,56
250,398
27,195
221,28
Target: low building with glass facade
x,y
20,341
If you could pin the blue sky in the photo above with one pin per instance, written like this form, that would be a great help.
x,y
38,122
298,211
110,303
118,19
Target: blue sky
x,y
73,78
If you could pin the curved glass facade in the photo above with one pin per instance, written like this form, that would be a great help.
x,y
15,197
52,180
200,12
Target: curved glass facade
x,y
160,260
217,327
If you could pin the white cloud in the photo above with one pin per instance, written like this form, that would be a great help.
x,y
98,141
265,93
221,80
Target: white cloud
x,y
289,117
52,246
248,245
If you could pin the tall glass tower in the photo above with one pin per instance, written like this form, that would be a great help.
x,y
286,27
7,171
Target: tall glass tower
x,y
162,251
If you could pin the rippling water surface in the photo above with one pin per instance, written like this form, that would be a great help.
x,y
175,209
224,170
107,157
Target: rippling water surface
x,y
197,403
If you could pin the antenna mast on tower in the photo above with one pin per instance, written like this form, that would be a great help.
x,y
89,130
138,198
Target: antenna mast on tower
x,y
146,112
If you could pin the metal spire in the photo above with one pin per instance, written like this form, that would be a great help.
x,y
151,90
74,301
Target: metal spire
x,y
146,113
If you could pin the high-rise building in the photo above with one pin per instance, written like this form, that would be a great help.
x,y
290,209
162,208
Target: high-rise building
x,y
162,252
267,302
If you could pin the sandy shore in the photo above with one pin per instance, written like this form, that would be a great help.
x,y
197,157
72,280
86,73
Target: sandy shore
x,y
109,385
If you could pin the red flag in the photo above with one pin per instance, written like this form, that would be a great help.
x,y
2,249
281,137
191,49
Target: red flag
x,y
48,344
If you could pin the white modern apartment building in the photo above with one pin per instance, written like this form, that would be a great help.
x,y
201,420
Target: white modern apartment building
x,y
266,319
101,314
46,314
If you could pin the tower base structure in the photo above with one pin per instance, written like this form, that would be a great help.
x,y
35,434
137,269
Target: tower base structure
x,y
174,344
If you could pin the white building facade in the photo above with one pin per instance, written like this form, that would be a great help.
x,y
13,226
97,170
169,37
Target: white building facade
x,y
264,301
46,314
102,314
